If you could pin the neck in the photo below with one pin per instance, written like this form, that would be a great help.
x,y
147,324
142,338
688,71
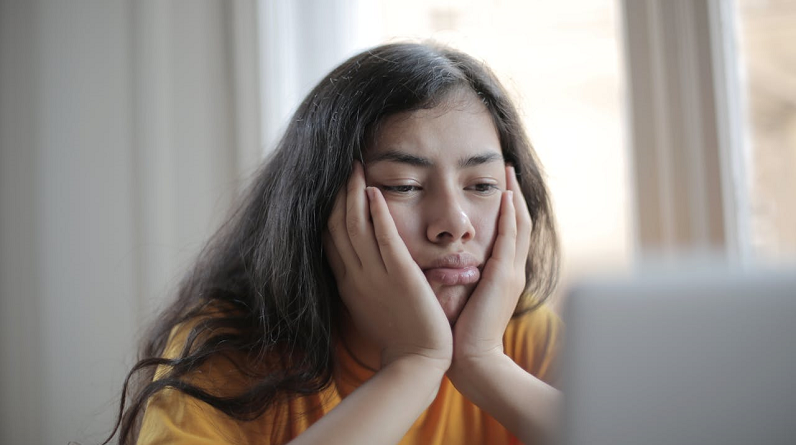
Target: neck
x,y
361,348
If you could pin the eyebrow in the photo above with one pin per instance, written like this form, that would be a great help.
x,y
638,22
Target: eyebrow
x,y
484,158
419,161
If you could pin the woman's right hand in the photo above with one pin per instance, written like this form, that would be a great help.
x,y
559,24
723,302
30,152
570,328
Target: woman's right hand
x,y
384,290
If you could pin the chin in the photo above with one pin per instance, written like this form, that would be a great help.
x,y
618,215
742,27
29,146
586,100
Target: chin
x,y
453,299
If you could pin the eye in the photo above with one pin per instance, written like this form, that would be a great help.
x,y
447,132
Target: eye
x,y
400,189
484,188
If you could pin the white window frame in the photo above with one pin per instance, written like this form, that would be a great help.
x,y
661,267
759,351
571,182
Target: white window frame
x,y
685,123
684,108
301,41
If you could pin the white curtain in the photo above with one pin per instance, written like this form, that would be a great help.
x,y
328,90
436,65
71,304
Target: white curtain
x,y
301,41
127,127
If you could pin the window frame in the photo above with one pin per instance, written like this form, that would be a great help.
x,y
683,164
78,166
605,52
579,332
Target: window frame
x,y
685,118
684,111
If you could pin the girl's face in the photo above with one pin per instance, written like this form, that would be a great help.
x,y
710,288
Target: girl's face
x,y
441,171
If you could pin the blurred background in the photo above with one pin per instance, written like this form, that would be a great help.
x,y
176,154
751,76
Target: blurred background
x,y
666,128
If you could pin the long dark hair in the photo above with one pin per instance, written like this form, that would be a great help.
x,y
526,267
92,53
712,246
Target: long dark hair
x,y
262,286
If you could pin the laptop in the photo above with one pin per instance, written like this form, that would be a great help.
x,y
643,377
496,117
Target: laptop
x,y
705,356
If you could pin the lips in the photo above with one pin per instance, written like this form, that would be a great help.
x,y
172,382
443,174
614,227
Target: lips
x,y
451,270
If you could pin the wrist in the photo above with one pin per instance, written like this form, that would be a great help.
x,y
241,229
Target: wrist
x,y
414,362
424,374
473,375
478,364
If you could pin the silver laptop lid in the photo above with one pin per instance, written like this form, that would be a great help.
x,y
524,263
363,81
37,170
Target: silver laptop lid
x,y
702,357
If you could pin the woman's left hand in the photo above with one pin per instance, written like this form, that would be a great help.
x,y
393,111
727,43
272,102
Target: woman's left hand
x,y
478,332
480,370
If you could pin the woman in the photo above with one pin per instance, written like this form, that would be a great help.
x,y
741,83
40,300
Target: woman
x,y
381,281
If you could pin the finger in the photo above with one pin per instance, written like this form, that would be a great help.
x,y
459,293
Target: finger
x,y
393,250
335,261
338,232
497,274
358,223
524,222
506,242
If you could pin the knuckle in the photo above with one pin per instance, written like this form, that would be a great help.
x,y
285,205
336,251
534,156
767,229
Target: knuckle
x,y
384,239
334,227
352,227
353,187
511,231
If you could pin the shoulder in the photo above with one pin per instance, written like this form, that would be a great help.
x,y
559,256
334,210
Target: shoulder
x,y
533,340
175,416
208,339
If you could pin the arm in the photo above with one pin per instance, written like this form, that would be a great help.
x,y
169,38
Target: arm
x,y
381,410
525,405
389,301
480,370
378,412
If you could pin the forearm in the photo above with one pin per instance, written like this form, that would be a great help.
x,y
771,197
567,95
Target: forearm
x,y
528,407
382,410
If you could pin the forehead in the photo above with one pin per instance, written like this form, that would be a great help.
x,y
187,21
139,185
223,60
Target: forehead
x,y
459,127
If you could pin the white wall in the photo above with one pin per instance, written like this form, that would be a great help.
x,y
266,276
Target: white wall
x,y
67,204
124,128
20,371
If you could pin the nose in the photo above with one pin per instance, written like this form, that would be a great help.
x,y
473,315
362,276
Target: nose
x,y
449,222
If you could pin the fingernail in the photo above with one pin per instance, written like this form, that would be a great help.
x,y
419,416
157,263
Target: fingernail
x,y
370,192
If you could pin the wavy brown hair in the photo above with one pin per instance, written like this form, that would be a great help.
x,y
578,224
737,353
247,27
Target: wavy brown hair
x,y
262,287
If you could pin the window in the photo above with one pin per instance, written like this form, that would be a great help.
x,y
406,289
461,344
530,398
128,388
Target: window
x,y
766,32
634,107
562,62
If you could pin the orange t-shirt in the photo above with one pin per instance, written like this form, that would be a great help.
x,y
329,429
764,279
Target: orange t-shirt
x,y
531,340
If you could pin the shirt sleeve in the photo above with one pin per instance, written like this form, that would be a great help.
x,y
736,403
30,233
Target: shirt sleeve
x,y
534,340
175,418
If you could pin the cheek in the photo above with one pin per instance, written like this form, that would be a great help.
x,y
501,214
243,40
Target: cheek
x,y
485,221
408,224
